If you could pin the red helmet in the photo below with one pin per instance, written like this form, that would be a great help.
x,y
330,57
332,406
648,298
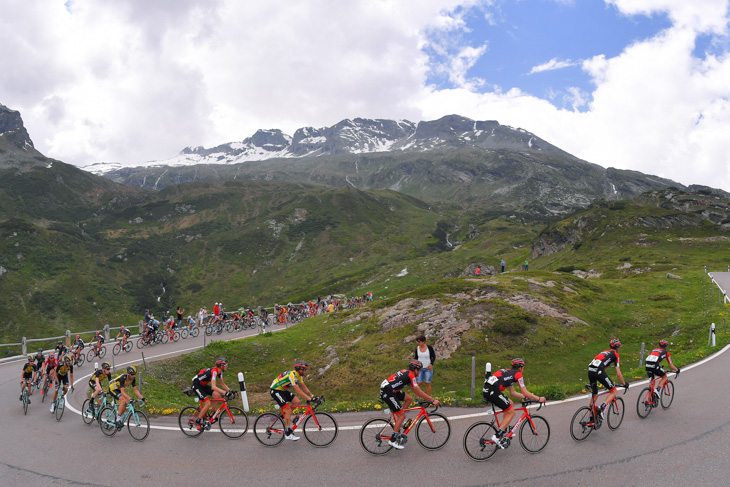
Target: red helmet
x,y
615,343
415,365
301,365
663,343
518,362
221,362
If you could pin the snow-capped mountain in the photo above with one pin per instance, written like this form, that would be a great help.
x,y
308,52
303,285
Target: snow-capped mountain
x,y
356,136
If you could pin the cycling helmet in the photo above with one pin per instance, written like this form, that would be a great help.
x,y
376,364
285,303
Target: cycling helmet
x,y
40,350
663,343
518,362
122,327
615,343
415,365
59,342
131,370
301,365
52,354
30,358
106,365
67,359
221,362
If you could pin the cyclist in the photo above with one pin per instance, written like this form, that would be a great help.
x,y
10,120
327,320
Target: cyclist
x,y
597,373
281,392
124,333
48,367
95,382
205,385
391,392
60,348
99,339
60,376
653,367
39,359
503,379
78,345
118,386
26,378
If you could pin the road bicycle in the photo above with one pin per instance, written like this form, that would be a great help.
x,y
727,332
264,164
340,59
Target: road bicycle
x,y
214,327
232,420
320,429
78,359
25,399
86,413
586,419
189,330
432,430
169,334
649,399
481,441
96,352
46,386
60,404
125,345
147,339
137,422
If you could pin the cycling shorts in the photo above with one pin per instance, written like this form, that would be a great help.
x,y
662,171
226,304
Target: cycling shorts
x,y
202,391
63,379
597,375
496,397
27,376
655,371
282,398
392,398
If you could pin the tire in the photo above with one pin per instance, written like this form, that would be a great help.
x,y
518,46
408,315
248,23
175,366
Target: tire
x,y
269,429
140,343
435,435
615,414
44,392
208,331
107,424
117,348
534,434
195,332
184,333
60,407
322,431
127,347
478,444
86,412
229,327
175,336
183,420
582,424
236,428
165,338
90,356
102,351
138,425
25,402
643,403
80,361
667,395
374,436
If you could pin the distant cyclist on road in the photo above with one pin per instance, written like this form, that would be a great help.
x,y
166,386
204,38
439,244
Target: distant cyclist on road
x,y
124,333
95,387
503,379
391,392
27,376
61,376
77,346
597,373
653,364
281,392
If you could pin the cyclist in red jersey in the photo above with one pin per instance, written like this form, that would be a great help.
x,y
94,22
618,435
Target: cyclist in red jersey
x,y
653,367
391,392
597,373
205,386
502,379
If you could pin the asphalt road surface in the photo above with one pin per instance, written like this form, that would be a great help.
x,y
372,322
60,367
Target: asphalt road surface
x,y
684,445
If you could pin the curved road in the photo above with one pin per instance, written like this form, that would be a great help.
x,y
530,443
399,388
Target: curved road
x,y
683,445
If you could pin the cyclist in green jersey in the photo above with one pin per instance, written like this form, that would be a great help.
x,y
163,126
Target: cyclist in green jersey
x,y
281,393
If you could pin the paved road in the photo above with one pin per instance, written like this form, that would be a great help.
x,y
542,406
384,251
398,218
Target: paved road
x,y
722,279
686,444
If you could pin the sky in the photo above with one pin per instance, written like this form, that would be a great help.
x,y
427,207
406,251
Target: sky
x,y
631,84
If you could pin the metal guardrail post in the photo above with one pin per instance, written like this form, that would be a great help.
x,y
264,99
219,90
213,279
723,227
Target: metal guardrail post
x,y
641,355
24,346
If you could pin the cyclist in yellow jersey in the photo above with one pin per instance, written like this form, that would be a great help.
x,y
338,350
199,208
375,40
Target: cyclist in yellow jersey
x,y
281,392
27,376
95,382
61,376
118,386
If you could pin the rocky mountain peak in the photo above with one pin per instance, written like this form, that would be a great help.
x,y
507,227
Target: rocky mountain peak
x,y
19,152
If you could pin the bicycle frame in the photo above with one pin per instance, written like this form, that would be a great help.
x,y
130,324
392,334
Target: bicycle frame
x,y
515,427
309,411
421,413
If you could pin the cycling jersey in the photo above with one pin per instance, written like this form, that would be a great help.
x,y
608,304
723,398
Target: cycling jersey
x,y
28,369
60,350
39,360
50,364
63,370
79,343
604,359
99,338
99,374
399,380
121,382
205,376
504,378
286,380
656,356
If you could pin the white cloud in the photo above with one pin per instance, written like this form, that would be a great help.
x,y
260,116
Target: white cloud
x,y
552,65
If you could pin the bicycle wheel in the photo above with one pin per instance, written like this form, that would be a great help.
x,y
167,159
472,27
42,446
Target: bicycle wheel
x,y
60,407
186,421
194,332
534,434
127,347
667,394
644,403
140,343
269,429
321,431
478,443
102,352
165,338
107,421
25,401
208,330
229,327
44,392
582,424
80,360
374,436
138,425
90,356
234,425
86,412
184,333
615,414
117,348
435,435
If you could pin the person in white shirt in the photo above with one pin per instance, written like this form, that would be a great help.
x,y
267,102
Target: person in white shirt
x,y
427,356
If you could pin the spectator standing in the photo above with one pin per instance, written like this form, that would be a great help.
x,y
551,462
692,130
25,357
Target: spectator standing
x,y
503,264
180,312
427,356
527,265
216,309
478,270
147,316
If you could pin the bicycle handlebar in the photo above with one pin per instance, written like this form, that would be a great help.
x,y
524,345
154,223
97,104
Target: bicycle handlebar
x,y
426,404
528,402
